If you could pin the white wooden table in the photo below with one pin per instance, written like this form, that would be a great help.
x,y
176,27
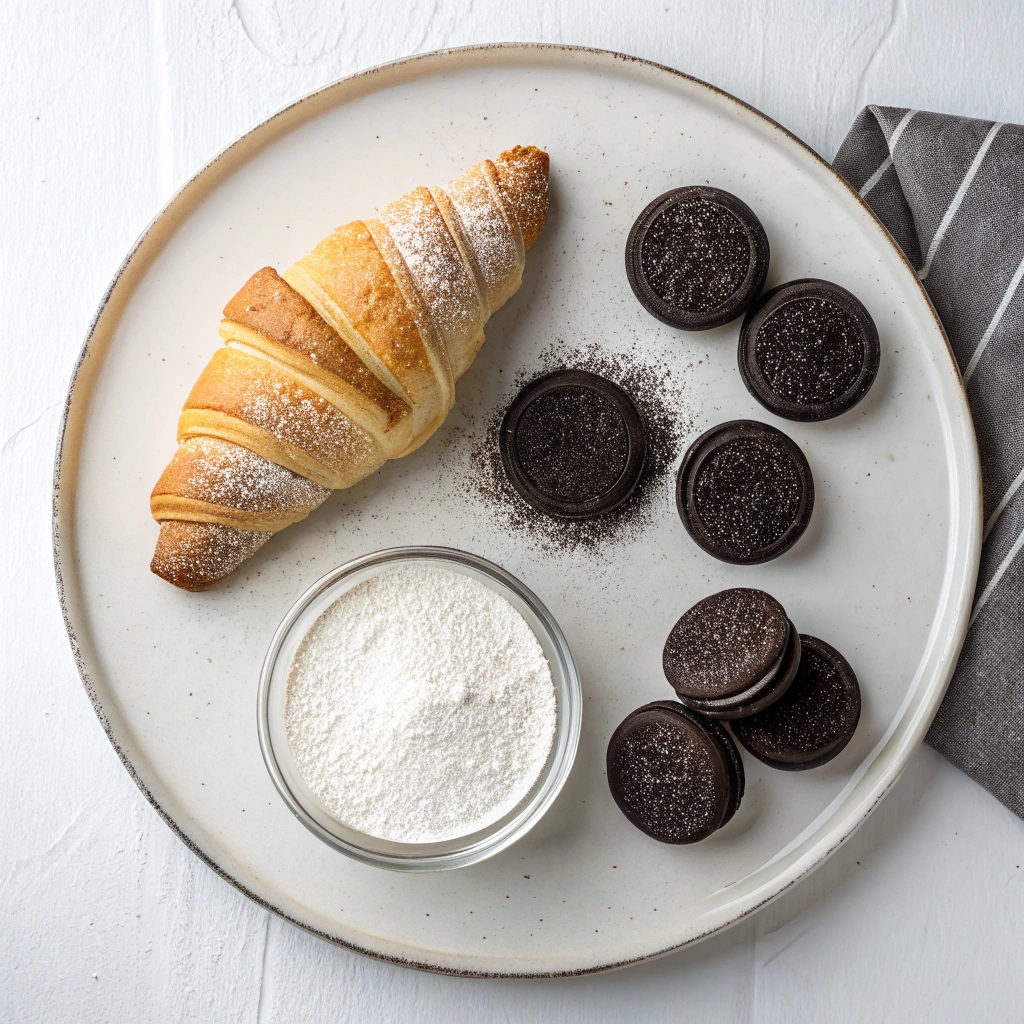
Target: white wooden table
x,y
107,108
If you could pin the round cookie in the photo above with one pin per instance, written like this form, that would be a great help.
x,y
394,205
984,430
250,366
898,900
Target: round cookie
x,y
808,350
745,492
732,654
814,721
573,444
697,257
676,777
733,761
725,644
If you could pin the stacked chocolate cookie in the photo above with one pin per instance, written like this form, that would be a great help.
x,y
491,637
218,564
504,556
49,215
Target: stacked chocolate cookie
x,y
816,718
732,654
792,700
697,258
675,775
573,446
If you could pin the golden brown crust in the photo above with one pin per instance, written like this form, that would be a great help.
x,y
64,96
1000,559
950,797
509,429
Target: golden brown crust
x,y
443,277
216,481
392,435
523,177
430,408
267,304
350,267
167,507
492,234
244,399
194,556
348,280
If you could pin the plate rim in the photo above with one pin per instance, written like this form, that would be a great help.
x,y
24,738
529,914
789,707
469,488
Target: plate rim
x,y
970,489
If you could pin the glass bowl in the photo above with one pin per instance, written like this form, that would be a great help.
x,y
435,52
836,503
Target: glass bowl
x,y
452,853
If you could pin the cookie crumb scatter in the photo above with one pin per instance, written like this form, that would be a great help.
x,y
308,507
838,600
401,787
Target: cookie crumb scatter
x,y
667,418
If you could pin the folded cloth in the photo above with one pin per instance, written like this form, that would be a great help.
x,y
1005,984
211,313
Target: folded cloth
x,y
951,192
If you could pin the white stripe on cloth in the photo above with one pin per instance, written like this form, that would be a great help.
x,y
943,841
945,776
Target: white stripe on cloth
x,y
1000,508
900,129
874,179
947,219
996,577
994,323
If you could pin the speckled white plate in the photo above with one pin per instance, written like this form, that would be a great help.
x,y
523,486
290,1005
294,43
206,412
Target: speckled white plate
x,y
885,572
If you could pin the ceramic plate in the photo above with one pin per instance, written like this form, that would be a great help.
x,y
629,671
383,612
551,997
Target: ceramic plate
x,y
885,572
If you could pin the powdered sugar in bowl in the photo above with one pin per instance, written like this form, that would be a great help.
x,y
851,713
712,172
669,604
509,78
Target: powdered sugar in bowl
x,y
419,709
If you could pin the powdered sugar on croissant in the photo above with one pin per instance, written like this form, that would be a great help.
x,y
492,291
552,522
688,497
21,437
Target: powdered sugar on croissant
x,y
348,359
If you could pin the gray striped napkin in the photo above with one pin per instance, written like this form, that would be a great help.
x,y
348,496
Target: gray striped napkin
x,y
951,192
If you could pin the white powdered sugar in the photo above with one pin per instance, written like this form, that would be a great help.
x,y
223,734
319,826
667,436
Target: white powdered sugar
x,y
420,706
444,281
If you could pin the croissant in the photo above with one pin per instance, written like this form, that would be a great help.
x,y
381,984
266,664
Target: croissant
x,y
348,359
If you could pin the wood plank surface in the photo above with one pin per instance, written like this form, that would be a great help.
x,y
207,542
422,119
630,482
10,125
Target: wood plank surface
x,y
108,107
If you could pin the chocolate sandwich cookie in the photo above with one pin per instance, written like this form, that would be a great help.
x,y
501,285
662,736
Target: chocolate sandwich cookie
x,y
697,257
763,694
808,350
676,776
573,444
732,654
745,492
814,720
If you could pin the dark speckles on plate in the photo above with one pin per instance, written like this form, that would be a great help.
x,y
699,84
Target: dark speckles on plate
x,y
665,416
